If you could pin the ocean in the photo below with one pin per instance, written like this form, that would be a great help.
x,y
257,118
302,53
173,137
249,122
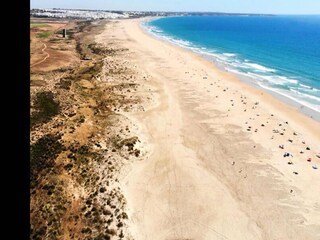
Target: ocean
x,y
278,53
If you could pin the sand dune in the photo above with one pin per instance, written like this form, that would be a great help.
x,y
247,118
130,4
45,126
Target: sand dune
x,y
216,167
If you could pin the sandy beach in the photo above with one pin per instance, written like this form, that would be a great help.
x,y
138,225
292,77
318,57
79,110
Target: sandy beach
x,y
223,160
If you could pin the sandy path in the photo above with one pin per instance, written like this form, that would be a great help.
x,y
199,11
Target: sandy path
x,y
45,58
210,176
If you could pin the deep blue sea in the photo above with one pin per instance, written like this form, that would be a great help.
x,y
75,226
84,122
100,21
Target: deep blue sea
x,y
279,53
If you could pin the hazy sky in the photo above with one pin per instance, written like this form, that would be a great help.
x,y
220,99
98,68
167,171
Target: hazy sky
x,y
240,6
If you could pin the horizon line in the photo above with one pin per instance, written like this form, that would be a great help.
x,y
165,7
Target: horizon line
x,y
171,11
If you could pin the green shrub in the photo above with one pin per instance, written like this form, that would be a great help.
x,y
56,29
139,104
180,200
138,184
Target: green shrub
x,y
42,155
45,108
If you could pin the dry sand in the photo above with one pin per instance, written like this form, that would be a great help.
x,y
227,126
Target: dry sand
x,y
214,168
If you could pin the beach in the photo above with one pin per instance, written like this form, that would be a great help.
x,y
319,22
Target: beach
x,y
222,159
258,53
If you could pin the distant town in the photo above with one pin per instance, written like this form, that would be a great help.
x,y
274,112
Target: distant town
x,y
104,14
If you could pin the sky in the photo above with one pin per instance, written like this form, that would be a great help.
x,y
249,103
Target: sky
x,y
231,6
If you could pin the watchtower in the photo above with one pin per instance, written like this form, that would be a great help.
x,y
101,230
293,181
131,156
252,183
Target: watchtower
x,y
64,33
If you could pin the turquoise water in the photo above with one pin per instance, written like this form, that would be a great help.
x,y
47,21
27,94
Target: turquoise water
x,y
279,53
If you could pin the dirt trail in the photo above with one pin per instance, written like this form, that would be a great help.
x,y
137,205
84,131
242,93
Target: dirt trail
x,y
45,58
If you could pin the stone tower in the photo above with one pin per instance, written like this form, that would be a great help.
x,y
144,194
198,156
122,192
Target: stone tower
x,y
64,32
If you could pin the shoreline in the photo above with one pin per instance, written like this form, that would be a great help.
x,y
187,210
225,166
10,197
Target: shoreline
x,y
304,109
307,111
271,96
